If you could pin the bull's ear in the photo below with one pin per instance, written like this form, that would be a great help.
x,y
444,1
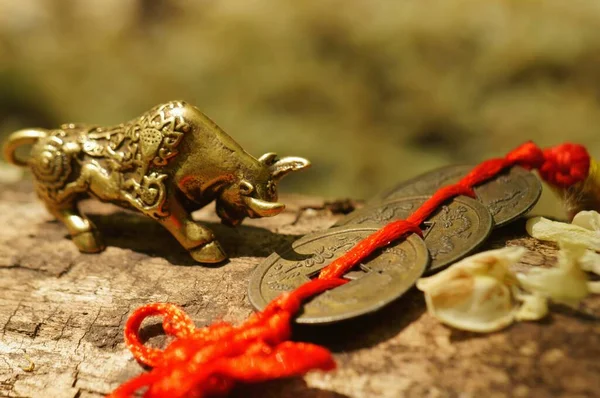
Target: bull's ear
x,y
246,188
287,164
268,158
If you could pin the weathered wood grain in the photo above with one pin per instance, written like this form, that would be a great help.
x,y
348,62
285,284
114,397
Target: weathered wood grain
x,y
62,314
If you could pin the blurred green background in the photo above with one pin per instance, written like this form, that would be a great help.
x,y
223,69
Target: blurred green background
x,y
372,91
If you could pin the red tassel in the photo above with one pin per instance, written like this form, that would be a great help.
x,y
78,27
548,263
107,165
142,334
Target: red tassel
x,y
208,361
565,165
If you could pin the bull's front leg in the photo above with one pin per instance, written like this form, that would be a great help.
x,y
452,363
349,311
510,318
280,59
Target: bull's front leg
x,y
63,206
197,239
82,231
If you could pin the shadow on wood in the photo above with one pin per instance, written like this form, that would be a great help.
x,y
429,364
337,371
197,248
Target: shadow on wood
x,y
293,387
138,233
354,334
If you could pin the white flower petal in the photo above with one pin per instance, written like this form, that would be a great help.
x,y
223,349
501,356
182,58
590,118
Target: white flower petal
x,y
590,261
475,293
544,229
566,283
587,219
534,307
486,306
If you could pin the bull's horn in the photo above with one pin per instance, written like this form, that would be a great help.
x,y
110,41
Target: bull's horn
x,y
263,208
289,163
268,158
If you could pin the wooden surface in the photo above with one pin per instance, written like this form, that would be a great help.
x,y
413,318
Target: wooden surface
x,y
62,314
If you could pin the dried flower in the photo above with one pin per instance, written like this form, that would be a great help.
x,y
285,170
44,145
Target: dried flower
x,y
534,307
477,293
584,231
579,241
482,294
565,283
590,261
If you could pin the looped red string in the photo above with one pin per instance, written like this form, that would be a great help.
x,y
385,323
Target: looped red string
x,y
208,361
175,323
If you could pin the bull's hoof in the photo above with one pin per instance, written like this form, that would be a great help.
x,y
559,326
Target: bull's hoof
x,y
89,242
209,253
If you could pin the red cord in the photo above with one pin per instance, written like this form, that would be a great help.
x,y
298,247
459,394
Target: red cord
x,y
208,361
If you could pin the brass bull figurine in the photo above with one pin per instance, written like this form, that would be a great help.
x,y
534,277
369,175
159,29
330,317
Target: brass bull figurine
x,y
170,161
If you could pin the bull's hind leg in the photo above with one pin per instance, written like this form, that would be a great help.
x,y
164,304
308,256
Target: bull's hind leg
x,y
197,239
83,232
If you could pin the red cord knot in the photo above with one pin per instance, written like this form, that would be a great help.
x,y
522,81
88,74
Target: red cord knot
x,y
565,165
527,155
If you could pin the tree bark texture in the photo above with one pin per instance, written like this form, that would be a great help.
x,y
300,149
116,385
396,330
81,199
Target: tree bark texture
x,y
62,314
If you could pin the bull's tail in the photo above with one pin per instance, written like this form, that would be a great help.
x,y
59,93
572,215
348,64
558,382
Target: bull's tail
x,y
19,138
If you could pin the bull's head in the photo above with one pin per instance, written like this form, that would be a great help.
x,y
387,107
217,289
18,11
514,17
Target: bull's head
x,y
254,194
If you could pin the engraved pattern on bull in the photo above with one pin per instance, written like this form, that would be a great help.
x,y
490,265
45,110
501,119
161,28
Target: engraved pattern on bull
x,y
170,161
